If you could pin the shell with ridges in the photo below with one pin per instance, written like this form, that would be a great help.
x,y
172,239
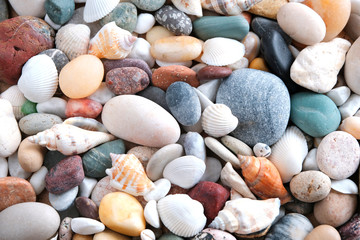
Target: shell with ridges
x,y
228,7
246,216
192,7
182,215
97,9
39,79
289,152
218,121
86,123
128,175
221,51
111,42
73,40
16,98
70,140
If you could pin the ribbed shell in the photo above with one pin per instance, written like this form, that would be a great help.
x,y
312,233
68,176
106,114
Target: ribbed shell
x,y
182,215
221,51
128,175
97,9
218,121
192,7
16,98
39,79
289,152
228,7
86,123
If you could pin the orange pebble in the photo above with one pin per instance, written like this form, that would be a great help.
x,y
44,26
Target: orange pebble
x,y
351,125
259,64
82,237
83,108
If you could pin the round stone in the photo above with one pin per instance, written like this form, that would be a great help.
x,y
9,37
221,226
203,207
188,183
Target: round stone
x,y
323,232
87,207
59,57
148,5
124,15
60,11
37,122
31,155
108,234
127,62
174,20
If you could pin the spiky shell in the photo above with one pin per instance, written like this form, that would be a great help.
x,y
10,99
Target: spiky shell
x,y
182,215
218,121
228,7
16,98
97,9
289,153
246,216
69,140
86,123
221,51
192,7
39,79
73,40
111,42
128,175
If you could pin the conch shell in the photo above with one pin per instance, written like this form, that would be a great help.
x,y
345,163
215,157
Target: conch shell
x,y
263,178
111,42
70,140
228,7
128,175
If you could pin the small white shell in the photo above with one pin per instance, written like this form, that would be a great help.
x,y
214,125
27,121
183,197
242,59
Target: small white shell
x,y
86,123
221,51
16,98
141,50
39,79
162,187
218,121
73,40
147,234
192,7
345,186
262,150
151,214
182,215
97,9
145,21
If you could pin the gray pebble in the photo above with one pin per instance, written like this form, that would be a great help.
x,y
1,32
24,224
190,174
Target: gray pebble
x,y
174,20
194,145
59,57
37,122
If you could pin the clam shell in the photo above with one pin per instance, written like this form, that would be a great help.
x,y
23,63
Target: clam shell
x,y
218,121
345,186
86,123
39,79
185,171
16,98
221,51
97,9
192,7
151,214
73,40
182,215
289,153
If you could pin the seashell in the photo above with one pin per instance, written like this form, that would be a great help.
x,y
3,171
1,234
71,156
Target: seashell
x,y
141,50
97,9
262,150
289,153
151,214
73,40
39,79
263,178
111,42
86,124
147,234
162,188
221,51
16,98
192,7
69,140
246,216
218,121
345,186
228,7
182,215
128,175
234,194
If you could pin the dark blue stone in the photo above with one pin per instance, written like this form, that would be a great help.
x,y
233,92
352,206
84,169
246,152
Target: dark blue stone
x,y
156,95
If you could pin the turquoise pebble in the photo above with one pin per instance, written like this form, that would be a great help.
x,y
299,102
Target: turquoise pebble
x,y
124,15
28,107
60,11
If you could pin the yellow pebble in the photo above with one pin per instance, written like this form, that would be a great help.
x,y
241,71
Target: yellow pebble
x,y
31,155
351,125
259,64
82,237
156,33
110,235
323,232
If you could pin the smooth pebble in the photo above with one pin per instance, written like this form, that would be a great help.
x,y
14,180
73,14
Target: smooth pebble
x,y
212,170
323,232
54,105
4,167
350,107
37,180
162,187
220,150
194,145
310,161
87,186
86,226
339,95
15,168
145,21
64,200
31,155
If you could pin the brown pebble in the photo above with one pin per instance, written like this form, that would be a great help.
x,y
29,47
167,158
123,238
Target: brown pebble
x,y
213,72
351,229
163,77
31,155
65,232
82,237
87,207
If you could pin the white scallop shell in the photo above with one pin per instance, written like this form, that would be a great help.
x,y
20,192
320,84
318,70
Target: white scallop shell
x,y
218,121
97,9
151,214
145,21
221,51
73,40
16,98
185,171
192,7
39,79
289,153
182,215
345,186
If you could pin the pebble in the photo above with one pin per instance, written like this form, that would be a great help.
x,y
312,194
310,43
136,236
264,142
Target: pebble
x,y
31,155
350,107
163,77
147,234
157,32
162,188
108,234
298,206
338,155
102,94
54,105
252,46
124,15
127,62
141,50
37,122
351,125
145,21
15,168
219,234
213,72
143,154
170,236
194,145
28,107
310,112
220,150
60,12
59,57
339,95
81,237
51,23
156,95
82,108
323,232
78,18
148,5
209,89
259,64
174,20
86,226
204,103
65,232
310,161
4,168
52,158
26,221
37,180
87,186
4,11
101,189
63,201
267,8
86,207
212,170
262,26
351,228
237,146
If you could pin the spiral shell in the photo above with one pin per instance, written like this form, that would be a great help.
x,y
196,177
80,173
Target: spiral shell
x,y
192,7
97,9
228,7
218,121
86,123
16,98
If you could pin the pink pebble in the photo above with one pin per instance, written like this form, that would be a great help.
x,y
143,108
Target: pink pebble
x,y
83,108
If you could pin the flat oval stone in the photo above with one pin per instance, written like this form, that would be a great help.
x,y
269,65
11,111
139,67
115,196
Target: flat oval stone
x,y
54,105
174,20
127,62
235,27
314,113
37,122
194,145
87,207
84,107
158,32
148,5
184,103
59,11
22,221
86,226
31,155
263,112
352,72
156,95
124,15
213,72
59,57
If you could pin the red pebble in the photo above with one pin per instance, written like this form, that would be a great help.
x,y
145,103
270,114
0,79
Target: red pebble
x,y
163,77
213,72
83,108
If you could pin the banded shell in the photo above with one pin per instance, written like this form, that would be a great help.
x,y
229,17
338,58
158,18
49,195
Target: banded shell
x,y
221,51
16,98
39,79
218,121
69,140
182,215
228,7
246,216
73,40
97,9
128,175
86,123
192,7
111,42
289,153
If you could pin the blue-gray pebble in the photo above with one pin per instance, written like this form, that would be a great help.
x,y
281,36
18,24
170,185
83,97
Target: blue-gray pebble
x,y
59,57
174,20
4,12
156,95
194,145
149,5
60,11
260,101
124,15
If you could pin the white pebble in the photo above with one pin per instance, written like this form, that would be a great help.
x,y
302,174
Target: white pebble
x,y
147,234
37,180
15,168
212,170
242,63
4,167
198,66
102,94
86,186
310,161
162,187
145,21
210,88
339,95
54,106
350,107
141,50
51,23
262,150
64,200
86,226
151,214
165,64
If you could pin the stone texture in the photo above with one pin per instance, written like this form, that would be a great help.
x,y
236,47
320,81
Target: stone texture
x,y
60,11
156,95
31,155
174,20
64,202
267,8
34,123
86,108
339,95
350,107
127,62
59,57
65,232
213,72
87,207
108,234
352,71
148,5
35,8
124,15
351,229
194,145
323,232
101,189
262,26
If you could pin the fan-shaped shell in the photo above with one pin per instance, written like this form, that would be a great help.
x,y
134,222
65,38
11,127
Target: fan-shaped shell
x,y
111,42
97,9
221,51
182,215
73,40
39,79
289,152
86,123
128,175
16,98
218,121
228,7
246,216
192,7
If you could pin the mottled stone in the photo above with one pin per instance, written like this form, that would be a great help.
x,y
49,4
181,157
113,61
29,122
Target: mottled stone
x,y
351,229
174,20
65,232
156,95
148,5
219,234
60,11
101,189
37,122
213,72
127,62
87,207
59,57
84,107
4,11
124,15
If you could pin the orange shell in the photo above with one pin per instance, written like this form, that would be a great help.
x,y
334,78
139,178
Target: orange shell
x,y
263,178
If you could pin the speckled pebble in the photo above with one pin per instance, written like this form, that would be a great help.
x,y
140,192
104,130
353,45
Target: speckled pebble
x,y
101,189
59,57
65,232
37,122
86,207
127,62
174,20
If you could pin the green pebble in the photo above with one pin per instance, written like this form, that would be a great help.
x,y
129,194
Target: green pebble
x,y
52,158
170,236
149,5
60,11
28,107
124,15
